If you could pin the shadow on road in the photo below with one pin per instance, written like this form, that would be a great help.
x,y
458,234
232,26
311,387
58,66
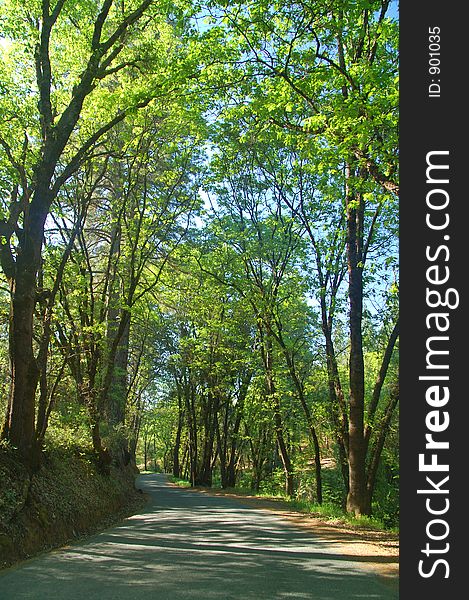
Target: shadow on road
x,y
191,545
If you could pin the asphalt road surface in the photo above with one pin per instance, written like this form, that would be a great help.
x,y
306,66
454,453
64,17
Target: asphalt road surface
x,y
190,545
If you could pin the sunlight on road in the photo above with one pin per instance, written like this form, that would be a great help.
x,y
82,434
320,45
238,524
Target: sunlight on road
x,y
191,545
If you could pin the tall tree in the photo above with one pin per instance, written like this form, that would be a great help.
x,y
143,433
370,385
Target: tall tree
x,y
327,75
59,129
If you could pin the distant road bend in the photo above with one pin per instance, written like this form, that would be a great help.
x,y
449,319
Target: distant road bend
x,y
189,545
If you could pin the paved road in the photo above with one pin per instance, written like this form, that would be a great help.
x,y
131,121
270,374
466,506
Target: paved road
x,y
189,545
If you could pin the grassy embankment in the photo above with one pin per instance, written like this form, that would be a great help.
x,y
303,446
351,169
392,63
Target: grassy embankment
x,y
67,498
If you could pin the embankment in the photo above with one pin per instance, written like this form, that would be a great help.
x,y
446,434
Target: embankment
x,y
67,498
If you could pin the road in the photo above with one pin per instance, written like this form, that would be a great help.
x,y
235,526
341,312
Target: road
x,y
190,545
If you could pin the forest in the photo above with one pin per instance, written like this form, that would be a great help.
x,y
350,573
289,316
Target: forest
x,y
199,242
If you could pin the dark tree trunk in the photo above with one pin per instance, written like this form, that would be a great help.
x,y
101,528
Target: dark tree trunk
x,y
101,453
222,449
24,368
118,336
118,387
115,403
230,446
356,498
317,465
230,477
210,422
258,457
283,450
188,392
145,449
177,441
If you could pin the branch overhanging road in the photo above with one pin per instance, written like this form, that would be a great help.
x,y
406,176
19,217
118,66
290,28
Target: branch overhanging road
x,y
189,545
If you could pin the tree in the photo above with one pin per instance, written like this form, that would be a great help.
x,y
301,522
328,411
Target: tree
x,y
139,214
241,338
47,135
325,78
210,365
267,244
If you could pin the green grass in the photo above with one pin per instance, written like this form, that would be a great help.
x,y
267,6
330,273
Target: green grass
x,y
180,482
245,491
330,511
326,511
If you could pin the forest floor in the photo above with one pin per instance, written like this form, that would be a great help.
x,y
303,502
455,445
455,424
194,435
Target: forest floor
x,y
348,539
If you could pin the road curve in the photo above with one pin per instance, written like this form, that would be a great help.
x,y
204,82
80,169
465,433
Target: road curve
x,y
188,545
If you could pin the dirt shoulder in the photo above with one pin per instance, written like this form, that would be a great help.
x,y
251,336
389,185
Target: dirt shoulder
x,y
378,550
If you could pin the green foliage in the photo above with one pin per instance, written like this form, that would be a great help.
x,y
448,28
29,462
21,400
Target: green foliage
x,y
192,290
179,482
71,436
273,484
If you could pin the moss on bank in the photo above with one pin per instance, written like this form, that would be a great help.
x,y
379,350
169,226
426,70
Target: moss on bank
x,y
66,499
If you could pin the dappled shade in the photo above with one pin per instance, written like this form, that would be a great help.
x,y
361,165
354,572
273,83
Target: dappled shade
x,y
192,545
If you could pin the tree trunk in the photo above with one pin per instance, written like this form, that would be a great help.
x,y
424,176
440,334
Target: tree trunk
x,y
356,498
116,394
192,430
177,441
222,449
231,466
284,455
379,445
317,465
102,454
209,417
24,369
